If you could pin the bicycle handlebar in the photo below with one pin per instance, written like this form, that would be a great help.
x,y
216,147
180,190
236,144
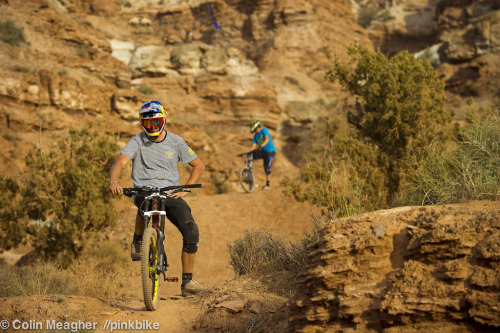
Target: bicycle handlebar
x,y
246,153
132,190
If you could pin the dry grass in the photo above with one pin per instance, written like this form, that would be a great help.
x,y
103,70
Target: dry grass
x,y
465,170
95,274
262,254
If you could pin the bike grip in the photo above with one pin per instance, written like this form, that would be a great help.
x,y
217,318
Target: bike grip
x,y
193,186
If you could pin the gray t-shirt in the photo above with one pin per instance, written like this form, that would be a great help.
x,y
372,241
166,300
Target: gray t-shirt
x,y
154,164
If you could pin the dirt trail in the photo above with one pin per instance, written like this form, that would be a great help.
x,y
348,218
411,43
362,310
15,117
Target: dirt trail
x,y
221,219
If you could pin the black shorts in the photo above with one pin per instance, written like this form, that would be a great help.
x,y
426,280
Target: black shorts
x,y
268,158
179,213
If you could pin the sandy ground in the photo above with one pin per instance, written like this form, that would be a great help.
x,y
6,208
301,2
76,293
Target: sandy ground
x,y
221,219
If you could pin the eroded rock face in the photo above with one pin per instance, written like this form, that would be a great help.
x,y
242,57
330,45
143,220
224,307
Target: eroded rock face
x,y
404,269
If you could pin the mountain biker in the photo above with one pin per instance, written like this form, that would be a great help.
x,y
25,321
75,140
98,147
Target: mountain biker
x,y
263,147
154,154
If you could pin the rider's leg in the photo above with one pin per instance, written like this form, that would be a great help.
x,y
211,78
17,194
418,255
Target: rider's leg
x,y
268,163
139,224
179,213
187,260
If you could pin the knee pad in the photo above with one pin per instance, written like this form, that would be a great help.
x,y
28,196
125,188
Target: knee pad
x,y
190,247
191,237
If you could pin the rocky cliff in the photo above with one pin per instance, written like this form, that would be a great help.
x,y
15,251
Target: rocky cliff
x,y
218,64
407,269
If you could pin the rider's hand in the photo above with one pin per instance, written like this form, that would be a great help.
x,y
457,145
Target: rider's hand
x,y
177,194
115,188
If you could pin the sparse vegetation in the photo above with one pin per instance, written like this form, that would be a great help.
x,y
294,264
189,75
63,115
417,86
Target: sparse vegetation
x,y
49,206
366,15
292,80
24,69
82,52
260,252
125,3
11,34
147,90
97,274
122,84
400,107
462,170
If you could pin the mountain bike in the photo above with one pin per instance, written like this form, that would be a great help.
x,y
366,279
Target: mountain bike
x,y
153,257
245,174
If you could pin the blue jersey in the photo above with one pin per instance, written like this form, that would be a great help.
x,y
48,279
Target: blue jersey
x,y
261,136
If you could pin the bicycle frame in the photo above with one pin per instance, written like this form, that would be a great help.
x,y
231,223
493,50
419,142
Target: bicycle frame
x,y
155,210
153,258
245,174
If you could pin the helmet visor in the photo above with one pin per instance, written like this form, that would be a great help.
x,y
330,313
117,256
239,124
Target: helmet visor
x,y
153,124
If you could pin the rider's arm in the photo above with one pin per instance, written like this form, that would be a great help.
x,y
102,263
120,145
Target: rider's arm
x,y
266,140
195,175
114,174
254,146
198,168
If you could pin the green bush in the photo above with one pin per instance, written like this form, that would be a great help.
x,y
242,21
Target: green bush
x,y
63,199
400,108
462,170
399,101
11,34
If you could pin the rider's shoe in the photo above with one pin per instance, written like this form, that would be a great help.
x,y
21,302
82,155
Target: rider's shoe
x,y
135,250
265,187
192,288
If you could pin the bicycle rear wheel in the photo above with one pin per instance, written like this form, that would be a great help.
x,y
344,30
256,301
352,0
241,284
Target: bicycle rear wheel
x,y
246,179
150,276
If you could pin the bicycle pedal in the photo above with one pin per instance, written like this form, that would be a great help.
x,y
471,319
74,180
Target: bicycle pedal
x,y
171,279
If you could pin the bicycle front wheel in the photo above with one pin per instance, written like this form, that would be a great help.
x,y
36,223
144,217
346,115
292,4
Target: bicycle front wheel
x,y
247,181
150,275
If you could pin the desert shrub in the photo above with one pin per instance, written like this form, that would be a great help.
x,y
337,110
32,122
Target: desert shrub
x,y
147,90
462,170
399,101
122,84
24,69
259,252
400,107
11,34
366,15
63,199
82,52
13,221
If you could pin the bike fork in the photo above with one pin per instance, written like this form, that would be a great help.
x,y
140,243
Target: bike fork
x,y
162,262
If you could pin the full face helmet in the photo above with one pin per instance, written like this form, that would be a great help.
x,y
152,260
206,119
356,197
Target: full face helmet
x,y
254,124
152,116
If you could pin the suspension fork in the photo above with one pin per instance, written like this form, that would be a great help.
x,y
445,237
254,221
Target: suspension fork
x,y
249,160
147,205
161,238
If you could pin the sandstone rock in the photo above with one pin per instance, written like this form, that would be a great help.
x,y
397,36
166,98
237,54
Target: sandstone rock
x,y
233,306
121,50
431,268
